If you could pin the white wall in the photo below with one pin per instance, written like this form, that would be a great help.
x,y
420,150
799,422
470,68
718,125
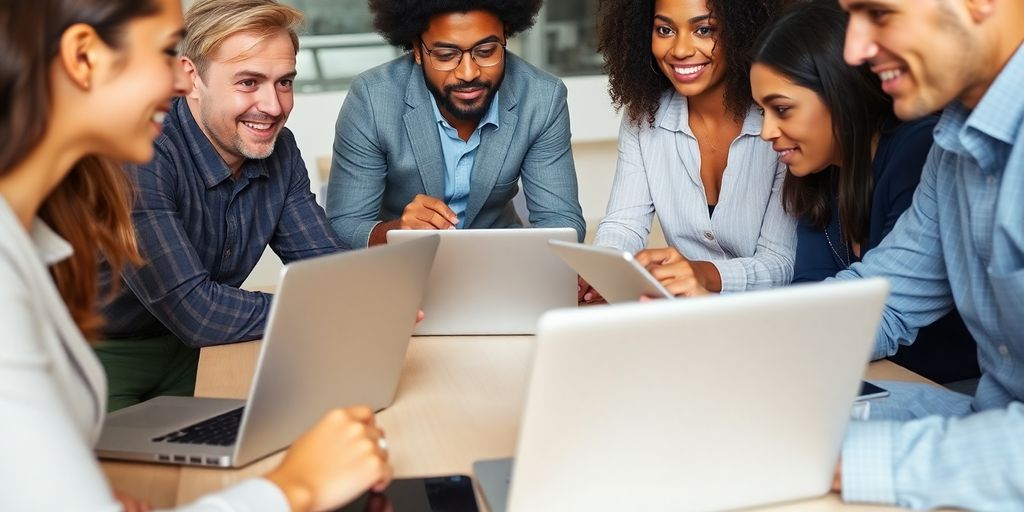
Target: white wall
x,y
594,123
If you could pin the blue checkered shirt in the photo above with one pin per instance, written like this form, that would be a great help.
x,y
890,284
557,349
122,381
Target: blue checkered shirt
x,y
961,243
202,232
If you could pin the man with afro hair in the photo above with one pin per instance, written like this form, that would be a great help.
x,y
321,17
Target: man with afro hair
x,y
440,137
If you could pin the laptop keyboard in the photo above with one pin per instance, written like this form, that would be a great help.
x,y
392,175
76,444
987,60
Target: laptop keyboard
x,y
220,430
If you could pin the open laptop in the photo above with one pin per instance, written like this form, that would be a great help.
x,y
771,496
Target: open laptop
x,y
613,273
493,281
337,335
694,404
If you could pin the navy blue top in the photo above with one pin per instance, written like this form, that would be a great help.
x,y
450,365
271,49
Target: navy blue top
x,y
897,170
946,351
201,233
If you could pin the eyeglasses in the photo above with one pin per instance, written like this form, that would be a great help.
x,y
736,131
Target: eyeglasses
x,y
484,55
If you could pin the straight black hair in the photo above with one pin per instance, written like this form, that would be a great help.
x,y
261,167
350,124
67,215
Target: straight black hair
x,y
806,46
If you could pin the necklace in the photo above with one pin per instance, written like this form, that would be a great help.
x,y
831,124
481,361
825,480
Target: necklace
x,y
846,251
708,138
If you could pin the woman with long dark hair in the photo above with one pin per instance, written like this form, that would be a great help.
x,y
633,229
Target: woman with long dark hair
x,y
688,146
853,167
84,84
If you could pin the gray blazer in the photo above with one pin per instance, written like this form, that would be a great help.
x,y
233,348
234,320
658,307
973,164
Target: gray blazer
x,y
387,149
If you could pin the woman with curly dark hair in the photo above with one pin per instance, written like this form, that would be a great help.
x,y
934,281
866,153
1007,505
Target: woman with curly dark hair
x,y
689,148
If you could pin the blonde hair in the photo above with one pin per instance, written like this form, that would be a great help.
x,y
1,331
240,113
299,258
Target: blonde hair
x,y
209,22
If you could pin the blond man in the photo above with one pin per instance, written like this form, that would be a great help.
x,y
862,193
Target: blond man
x,y
227,181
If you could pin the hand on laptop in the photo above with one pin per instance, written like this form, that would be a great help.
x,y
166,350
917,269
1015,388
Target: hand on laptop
x,y
585,294
334,462
425,212
678,275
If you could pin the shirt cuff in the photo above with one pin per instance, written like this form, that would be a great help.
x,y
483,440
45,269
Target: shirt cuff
x,y
254,495
868,468
364,230
734,275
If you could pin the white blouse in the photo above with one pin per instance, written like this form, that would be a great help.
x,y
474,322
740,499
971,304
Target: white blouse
x,y
750,239
53,392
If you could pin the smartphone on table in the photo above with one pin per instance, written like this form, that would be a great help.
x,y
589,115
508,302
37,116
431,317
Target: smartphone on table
x,y
451,493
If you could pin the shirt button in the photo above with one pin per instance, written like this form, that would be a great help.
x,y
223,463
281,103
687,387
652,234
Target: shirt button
x,y
991,180
709,236
1003,351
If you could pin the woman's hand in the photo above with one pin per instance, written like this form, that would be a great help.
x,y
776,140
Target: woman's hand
x,y
585,294
130,504
334,462
680,276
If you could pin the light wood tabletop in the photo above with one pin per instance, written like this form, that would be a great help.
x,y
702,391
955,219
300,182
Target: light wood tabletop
x,y
458,401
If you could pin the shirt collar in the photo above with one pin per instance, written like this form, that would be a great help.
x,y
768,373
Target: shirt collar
x,y
50,247
212,167
490,117
1001,110
992,126
674,114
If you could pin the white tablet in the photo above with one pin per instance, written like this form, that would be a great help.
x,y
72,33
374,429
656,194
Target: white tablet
x,y
613,273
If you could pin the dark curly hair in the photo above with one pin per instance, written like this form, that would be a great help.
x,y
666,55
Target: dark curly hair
x,y
402,21
635,81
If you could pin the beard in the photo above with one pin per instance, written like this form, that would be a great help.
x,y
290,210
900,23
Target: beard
x,y
462,111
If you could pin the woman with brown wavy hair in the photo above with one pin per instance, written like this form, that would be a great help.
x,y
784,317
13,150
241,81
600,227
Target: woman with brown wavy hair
x,y
78,79
688,146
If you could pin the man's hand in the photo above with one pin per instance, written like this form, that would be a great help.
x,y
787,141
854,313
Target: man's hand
x,y
424,212
680,276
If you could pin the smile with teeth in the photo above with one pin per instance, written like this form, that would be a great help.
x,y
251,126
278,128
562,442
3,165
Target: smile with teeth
x,y
158,117
688,70
783,153
258,126
890,74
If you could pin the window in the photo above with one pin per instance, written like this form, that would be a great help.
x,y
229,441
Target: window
x,y
339,42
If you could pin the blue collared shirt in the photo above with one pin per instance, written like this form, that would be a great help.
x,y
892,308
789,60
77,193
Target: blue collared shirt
x,y
459,157
960,244
201,233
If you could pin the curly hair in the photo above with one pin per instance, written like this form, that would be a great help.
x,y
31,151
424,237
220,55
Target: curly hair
x,y
635,82
402,21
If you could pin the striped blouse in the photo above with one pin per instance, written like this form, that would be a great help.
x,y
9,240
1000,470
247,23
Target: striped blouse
x,y
749,237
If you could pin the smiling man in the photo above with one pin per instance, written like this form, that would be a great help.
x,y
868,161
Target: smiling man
x,y
960,244
227,180
440,137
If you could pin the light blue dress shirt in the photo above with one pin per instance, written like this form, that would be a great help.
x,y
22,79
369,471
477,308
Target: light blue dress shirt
x,y
961,243
459,157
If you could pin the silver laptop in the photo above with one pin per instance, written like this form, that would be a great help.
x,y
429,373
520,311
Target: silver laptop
x,y
613,273
337,335
493,281
694,404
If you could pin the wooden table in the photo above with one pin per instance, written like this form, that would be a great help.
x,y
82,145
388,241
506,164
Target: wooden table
x,y
458,401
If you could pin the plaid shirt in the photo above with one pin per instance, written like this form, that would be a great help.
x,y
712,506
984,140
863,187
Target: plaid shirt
x,y
201,233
